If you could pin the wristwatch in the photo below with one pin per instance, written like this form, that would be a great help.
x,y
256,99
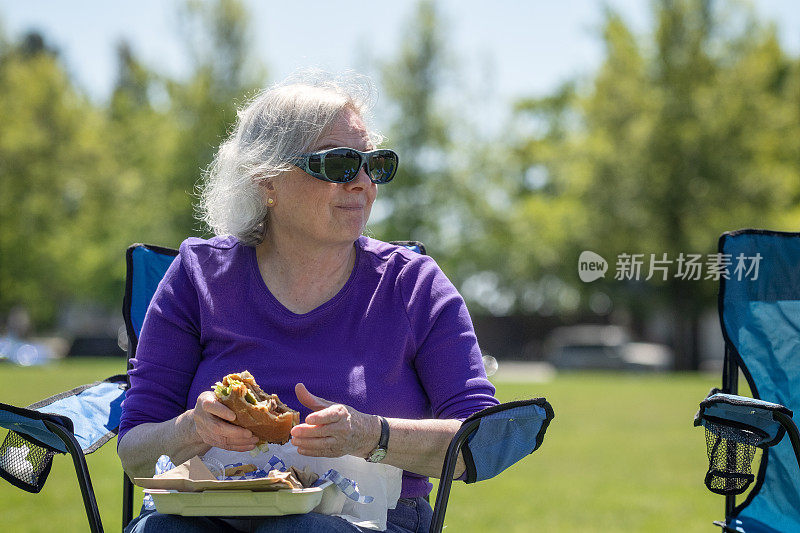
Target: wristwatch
x,y
377,454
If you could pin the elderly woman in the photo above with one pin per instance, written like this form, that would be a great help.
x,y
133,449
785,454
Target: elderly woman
x,y
369,341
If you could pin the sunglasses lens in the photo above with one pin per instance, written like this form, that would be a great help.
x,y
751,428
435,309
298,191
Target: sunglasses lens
x,y
382,166
315,163
342,165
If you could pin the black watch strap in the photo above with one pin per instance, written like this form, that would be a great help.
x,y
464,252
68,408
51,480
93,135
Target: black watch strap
x,y
377,454
384,440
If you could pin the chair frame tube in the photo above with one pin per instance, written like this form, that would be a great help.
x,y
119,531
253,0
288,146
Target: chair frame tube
x,y
448,470
791,429
127,484
84,480
730,384
127,500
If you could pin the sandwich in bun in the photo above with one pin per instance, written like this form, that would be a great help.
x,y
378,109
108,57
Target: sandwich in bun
x,y
264,414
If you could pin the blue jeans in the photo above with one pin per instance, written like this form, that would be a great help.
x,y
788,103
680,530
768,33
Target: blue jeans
x,y
412,515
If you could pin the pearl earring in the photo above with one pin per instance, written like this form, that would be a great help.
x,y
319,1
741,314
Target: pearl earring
x,y
270,201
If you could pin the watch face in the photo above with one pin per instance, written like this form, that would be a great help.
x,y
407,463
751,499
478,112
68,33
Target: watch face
x,y
377,455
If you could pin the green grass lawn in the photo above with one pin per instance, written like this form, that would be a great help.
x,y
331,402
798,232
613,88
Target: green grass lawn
x,y
620,455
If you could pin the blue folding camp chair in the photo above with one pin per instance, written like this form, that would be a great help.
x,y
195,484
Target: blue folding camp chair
x,y
759,308
82,420
77,422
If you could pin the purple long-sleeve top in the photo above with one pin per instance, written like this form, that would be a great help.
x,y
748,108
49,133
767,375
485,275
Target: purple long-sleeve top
x,y
396,340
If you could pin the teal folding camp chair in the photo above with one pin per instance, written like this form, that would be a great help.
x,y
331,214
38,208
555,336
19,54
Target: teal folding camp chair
x,y
759,308
82,420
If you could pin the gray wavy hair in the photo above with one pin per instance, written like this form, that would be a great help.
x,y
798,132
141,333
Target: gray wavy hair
x,y
277,124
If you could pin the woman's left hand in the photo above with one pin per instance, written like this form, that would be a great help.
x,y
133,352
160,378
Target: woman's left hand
x,y
333,429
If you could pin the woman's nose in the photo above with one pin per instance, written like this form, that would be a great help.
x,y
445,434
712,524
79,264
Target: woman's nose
x,y
361,180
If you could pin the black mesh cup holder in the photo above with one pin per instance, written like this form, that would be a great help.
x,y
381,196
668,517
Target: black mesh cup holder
x,y
23,463
735,427
730,457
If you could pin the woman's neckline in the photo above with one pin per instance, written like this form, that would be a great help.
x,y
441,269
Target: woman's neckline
x,y
357,246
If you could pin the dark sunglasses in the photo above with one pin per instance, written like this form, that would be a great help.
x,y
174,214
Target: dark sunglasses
x,y
341,165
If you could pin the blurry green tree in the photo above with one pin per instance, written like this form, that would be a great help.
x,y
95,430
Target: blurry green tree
x,y
674,141
411,207
79,182
56,186
168,129
444,193
144,139
218,39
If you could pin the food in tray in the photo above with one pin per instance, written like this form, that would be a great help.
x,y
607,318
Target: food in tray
x,y
294,478
286,479
306,476
239,470
264,414
194,476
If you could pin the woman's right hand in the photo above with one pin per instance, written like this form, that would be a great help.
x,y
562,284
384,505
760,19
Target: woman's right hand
x,y
212,422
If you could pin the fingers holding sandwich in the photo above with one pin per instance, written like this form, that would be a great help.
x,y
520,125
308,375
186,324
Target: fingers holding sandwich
x,y
212,422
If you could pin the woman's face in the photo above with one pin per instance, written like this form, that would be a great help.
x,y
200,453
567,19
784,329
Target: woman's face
x,y
320,212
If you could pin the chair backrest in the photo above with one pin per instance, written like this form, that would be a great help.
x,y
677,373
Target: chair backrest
x,y
759,308
146,266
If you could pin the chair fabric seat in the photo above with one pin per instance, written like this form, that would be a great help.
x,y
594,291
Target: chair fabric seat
x,y
94,411
90,413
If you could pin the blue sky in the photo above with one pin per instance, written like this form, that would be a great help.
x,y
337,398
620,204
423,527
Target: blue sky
x,y
503,50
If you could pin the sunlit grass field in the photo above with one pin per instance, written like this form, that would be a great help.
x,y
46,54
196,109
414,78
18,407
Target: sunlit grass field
x,y
621,455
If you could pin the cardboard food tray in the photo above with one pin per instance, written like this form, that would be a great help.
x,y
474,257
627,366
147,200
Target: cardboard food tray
x,y
191,485
243,502
190,489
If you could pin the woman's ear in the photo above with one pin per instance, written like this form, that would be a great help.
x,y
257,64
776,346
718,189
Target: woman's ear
x,y
267,188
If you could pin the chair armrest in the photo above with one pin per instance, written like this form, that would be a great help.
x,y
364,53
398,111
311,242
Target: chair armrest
x,y
491,440
506,434
758,416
